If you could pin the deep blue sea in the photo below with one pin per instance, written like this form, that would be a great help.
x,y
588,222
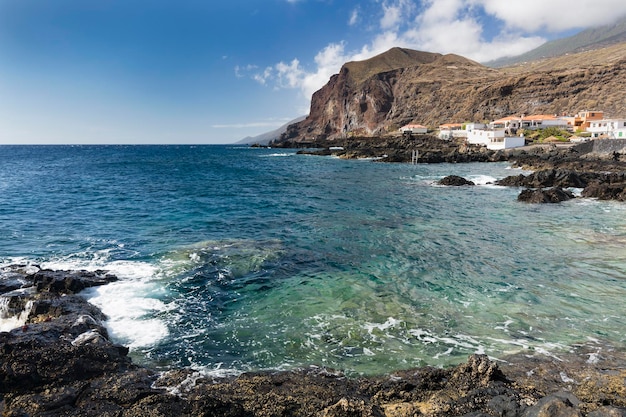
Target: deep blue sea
x,y
233,259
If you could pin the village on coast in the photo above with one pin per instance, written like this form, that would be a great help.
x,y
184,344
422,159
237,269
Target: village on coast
x,y
514,131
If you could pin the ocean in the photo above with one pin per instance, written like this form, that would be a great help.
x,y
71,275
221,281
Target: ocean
x,y
236,259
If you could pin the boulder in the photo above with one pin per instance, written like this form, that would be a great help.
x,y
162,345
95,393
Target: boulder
x,y
547,178
551,195
606,191
67,282
454,180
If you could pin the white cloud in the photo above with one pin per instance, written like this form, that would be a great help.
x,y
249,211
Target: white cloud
x,y
554,15
455,26
391,16
262,77
395,12
481,30
354,17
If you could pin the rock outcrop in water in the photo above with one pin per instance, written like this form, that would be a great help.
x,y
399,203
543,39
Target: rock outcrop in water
x,y
600,175
455,181
62,363
550,195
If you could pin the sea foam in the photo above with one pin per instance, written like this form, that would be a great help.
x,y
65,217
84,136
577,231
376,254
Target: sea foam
x,y
130,303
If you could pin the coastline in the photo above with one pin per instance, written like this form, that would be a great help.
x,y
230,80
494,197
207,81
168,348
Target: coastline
x,y
600,175
62,362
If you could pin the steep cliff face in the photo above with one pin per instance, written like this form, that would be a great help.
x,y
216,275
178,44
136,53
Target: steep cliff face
x,y
379,95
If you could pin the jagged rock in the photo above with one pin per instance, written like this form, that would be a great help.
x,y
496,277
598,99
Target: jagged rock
x,y
63,364
69,282
557,405
548,178
551,195
454,180
351,408
606,191
608,412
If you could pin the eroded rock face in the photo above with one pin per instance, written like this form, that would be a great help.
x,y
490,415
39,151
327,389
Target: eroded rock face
x,y
434,89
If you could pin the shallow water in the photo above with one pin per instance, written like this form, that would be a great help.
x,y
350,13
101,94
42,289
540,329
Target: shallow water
x,y
236,259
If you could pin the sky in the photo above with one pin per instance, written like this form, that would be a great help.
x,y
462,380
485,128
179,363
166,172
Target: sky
x,y
214,72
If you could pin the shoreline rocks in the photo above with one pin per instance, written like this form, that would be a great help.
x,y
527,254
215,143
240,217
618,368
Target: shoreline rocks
x,y
62,363
601,176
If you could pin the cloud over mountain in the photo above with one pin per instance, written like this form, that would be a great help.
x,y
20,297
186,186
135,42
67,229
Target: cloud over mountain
x,y
482,30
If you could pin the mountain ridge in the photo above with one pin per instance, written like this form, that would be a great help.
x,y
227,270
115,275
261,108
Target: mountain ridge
x,y
589,39
451,88
265,138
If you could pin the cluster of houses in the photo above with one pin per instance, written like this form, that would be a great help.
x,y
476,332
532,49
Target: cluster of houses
x,y
502,133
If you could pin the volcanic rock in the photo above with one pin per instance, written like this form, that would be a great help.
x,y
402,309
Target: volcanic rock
x,y
454,180
551,195
62,363
547,178
606,191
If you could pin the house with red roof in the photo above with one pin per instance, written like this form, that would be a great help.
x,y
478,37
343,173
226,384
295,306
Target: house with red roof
x,y
413,128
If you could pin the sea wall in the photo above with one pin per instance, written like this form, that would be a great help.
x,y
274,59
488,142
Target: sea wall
x,y
602,146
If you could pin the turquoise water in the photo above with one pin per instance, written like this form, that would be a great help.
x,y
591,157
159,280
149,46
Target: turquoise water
x,y
235,259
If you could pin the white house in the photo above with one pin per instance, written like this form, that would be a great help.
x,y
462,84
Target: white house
x,y
451,130
509,124
542,121
484,136
606,127
532,122
506,142
458,130
413,128
619,134
473,126
494,139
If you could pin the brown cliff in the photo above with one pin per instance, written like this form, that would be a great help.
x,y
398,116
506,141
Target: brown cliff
x,y
377,96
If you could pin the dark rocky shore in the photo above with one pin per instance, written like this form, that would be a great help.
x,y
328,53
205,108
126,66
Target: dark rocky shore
x,y
601,174
62,363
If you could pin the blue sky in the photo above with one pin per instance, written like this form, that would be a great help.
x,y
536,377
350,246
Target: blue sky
x,y
206,71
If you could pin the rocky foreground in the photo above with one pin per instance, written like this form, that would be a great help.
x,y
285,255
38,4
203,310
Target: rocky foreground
x,y
62,363
601,175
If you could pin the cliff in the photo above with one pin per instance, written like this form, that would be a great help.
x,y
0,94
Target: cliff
x,y
377,96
